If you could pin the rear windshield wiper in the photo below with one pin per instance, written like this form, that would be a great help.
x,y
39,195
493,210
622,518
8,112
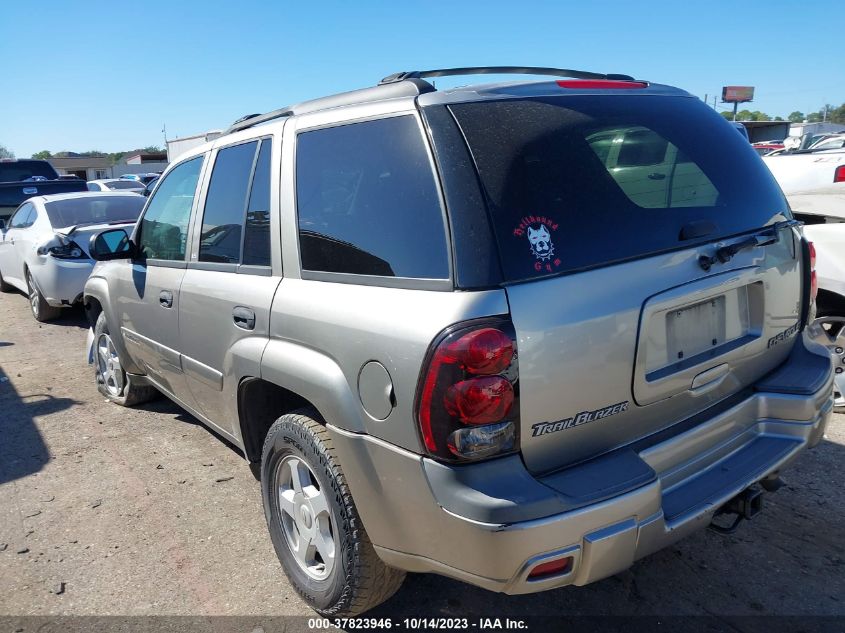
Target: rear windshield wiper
x,y
724,254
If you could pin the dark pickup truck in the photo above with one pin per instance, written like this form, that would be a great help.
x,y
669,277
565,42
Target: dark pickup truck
x,y
22,179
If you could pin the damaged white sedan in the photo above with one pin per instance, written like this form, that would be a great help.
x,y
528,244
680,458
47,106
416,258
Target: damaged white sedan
x,y
44,246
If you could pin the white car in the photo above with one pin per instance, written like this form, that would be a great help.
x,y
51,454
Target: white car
x,y
116,184
44,247
822,209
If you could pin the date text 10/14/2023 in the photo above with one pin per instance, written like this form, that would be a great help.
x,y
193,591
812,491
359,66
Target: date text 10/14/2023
x,y
418,624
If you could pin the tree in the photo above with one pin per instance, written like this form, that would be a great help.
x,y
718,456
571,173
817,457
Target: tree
x,y
796,117
44,154
6,153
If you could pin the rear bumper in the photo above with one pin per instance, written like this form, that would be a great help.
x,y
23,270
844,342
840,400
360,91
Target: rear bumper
x,y
490,524
61,281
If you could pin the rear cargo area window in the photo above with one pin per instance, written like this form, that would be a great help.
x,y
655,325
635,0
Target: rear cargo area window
x,y
582,181
368,202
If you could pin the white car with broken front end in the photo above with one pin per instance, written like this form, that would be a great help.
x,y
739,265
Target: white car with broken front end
x,y
44,246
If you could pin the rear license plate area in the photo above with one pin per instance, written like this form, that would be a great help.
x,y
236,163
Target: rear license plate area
x,y
695,329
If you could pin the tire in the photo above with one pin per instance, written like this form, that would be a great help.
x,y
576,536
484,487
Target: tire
x,y
41,310
4,287
112,381
352,578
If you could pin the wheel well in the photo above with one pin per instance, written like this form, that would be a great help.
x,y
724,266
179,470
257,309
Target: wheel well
x,y
260,403
92,310
829,304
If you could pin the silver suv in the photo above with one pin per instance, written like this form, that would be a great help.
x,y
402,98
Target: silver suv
x,y
519,334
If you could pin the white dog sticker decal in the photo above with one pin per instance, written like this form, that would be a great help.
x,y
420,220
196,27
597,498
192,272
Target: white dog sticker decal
x,y
540,241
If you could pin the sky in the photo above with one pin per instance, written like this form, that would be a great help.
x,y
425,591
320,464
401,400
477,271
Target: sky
x,y
109,76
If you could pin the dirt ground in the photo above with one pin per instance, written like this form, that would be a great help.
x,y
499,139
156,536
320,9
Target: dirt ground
x,y
109,511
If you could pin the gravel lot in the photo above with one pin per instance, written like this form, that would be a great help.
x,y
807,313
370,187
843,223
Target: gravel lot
x,y
109,511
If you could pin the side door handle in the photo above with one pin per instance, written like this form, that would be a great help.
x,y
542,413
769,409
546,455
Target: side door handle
x,y
656,175
165,298
244,318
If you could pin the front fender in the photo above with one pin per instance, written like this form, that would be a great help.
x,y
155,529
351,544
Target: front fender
x,y
315,377
97,288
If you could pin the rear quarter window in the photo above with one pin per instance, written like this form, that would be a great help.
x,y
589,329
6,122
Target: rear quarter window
x,y
582,181
368,202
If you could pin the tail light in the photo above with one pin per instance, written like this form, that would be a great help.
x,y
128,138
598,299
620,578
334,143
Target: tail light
x,y
65,249
468,398
839,174
601,84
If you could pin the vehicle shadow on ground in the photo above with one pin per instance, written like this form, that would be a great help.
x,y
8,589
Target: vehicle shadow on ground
x,y
73,316
797,538
164,405
22,448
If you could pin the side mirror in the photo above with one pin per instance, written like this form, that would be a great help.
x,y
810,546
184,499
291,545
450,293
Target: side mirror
x,y
111,244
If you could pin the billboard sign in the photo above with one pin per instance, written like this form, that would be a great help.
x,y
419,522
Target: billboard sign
x,y
737,94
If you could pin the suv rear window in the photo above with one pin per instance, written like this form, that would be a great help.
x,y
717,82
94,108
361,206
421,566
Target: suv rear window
x,y
583,181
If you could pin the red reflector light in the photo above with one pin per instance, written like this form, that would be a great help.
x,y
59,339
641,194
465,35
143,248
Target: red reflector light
x,y
812,255
552,568
839,174
487,351
814,285
480,400
601,84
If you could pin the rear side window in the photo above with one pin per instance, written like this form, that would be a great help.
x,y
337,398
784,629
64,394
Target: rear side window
x,y
583,181
257,228
224,205
236,220
24,217
368,201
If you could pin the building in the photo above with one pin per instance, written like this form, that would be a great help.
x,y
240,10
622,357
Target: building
x,y
85,167
178,146
100,167
140,163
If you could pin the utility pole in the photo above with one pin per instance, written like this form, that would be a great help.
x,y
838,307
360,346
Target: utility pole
x,y
735,105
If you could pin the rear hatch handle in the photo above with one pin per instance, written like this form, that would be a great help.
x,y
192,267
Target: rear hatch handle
x,y
724,254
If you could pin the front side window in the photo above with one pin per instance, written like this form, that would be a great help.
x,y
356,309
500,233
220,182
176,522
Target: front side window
x,y
164,227
368,202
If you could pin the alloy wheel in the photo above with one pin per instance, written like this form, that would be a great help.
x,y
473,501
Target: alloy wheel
x,y
306,518
109,371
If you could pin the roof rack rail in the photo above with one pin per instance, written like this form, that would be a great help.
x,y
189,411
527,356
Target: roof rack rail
x,y
410,88
501,70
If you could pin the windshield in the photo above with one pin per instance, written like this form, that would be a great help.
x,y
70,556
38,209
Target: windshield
x,y
583,181
94,210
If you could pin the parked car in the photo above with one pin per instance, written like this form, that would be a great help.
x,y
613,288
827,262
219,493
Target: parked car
x,y
22,179
535,332
833,142
822,210
148,188
142,178
116,184
802,171
44,248
764,148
